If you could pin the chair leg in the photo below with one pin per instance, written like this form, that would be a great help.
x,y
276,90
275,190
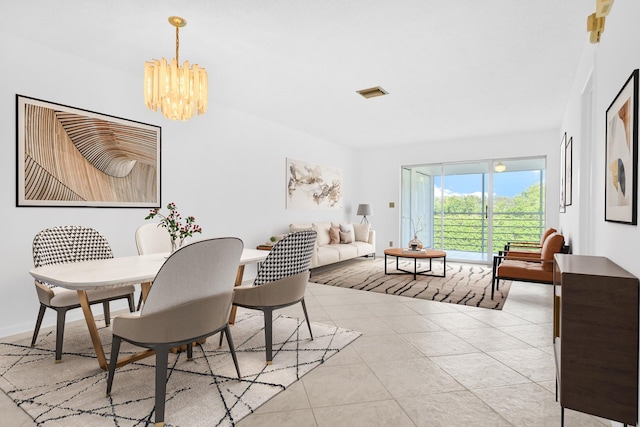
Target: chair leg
x,y
62,313
493,277
113,360
132,303
221,336
268,337
162,358
190,351
227,332
43,308
107,313
306,316
139,303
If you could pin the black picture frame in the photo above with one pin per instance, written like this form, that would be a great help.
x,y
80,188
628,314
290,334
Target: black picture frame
x,y
71,157
621,155
568,175
563,171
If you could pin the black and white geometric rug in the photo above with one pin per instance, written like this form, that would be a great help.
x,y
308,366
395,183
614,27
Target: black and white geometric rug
x,y
201,392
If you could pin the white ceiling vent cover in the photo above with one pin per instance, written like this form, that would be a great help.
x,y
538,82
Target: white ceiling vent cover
x,y
372,92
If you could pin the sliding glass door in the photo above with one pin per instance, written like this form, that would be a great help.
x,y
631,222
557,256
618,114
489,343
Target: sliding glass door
x,y
463,217
518,201
472,209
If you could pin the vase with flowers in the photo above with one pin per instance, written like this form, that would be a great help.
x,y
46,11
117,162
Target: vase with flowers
x,y
178,231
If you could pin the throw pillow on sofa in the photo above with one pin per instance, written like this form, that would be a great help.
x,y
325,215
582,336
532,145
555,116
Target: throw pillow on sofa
x,y
299,227
347,228
322,228
361,232
345,237
334,236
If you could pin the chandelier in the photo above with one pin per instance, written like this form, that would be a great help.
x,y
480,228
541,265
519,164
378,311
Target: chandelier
x,y
178,91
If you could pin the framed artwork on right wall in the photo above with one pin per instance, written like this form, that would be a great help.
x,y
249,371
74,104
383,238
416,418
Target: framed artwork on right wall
x,y
563,173
568,172
621,201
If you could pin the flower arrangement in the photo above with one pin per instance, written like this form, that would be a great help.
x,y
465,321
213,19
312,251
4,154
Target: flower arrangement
x,y
418,225
173,223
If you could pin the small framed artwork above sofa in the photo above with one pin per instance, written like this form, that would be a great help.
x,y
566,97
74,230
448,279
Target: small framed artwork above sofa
x,y
339,241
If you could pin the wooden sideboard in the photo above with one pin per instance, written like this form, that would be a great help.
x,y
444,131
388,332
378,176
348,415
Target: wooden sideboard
x,y
595,337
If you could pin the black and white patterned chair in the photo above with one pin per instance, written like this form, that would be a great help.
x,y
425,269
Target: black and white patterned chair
x,y
280,282
67,244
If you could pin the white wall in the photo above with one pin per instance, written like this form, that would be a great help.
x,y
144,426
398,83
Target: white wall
x,y
381,182
607,66
226,168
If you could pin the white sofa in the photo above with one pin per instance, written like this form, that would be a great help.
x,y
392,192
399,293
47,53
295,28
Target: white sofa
x,y
355,240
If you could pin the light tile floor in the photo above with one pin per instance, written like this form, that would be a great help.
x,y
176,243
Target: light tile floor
x,y
419,363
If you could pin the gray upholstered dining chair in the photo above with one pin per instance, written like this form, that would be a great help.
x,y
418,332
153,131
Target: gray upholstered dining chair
x,y
64,244
280,282
190,300
151,239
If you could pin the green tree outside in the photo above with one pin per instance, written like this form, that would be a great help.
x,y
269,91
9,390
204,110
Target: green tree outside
x,y
520,218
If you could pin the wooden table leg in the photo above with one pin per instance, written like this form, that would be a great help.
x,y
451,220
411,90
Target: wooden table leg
x,y
95,335
239,275
144,290
93,329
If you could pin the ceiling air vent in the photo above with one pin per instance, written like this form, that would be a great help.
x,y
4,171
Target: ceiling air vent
x,y
372,92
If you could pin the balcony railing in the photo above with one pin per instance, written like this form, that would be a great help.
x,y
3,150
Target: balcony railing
x,y
463,231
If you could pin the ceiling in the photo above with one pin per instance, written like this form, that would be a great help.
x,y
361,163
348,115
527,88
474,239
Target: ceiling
x,y
453,69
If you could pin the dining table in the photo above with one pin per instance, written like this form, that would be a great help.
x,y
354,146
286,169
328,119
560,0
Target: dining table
x,y
104,273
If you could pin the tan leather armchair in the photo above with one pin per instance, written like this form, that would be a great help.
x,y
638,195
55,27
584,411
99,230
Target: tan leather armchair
x,y
527,269
281,281
190,300
527,247
529,250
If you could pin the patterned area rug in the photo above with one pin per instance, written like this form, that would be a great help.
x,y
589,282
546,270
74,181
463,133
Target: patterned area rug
x,y
467,284
202,392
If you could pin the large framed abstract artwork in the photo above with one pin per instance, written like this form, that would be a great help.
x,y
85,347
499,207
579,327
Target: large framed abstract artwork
x,y
311,186
67,156
622,155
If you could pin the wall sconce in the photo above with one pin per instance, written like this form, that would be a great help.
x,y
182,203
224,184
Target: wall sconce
x,y
595,21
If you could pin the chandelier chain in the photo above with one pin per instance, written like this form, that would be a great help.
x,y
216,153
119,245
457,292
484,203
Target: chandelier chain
x,y
177,44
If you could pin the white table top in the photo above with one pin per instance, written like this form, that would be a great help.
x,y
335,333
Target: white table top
x,y
116,271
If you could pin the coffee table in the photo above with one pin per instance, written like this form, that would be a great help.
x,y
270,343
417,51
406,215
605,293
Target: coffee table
x,y
429,254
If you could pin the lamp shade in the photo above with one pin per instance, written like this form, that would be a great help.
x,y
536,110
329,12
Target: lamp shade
x,y
364,209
